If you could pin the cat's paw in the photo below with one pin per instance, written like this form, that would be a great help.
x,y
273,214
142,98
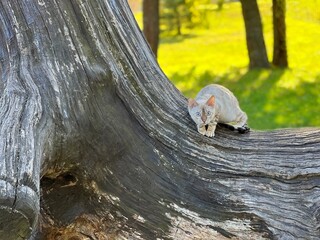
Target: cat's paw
x,y
243,129
202,130
210,133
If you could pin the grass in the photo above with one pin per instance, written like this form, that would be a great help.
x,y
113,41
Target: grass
x,y
272,98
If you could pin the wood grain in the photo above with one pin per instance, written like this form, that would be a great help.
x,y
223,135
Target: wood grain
x,y
85,108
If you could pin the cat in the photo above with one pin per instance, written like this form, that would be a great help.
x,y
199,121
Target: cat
x,y
217,104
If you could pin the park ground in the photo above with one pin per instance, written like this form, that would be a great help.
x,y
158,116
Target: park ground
x,y
216,53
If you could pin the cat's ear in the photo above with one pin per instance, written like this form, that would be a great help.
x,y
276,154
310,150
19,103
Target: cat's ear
x,y
211,101
192,103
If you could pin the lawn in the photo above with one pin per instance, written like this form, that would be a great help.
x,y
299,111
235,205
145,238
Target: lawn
x,y
272,98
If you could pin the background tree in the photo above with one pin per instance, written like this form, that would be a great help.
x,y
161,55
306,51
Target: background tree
x,y
151,23
220,4
174,14
280,56
254,35
85,107
178,14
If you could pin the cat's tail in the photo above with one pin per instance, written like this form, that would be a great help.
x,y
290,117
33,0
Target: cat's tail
x,y
243,129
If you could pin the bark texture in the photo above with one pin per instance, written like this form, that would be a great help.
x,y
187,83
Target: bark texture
x,y
85,108
151,23
254,35
280,56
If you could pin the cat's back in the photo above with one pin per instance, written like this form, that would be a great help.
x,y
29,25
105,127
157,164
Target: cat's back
x,y
215,89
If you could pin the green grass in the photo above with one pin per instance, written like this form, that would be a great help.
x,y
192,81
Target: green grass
x,y
272,98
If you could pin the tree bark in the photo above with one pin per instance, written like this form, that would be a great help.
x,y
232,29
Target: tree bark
x,y
151,23
280,56
85,108
254,35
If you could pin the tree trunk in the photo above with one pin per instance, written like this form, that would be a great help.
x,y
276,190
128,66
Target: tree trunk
x,y
220,4
151,23
280,57
85,108
177,20
255,42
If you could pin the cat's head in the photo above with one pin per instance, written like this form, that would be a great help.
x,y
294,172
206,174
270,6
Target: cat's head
x,y
202,113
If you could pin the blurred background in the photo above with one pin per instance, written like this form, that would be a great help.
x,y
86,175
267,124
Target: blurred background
x,y
266,51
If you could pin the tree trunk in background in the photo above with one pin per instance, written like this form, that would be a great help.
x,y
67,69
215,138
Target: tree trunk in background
x,y
280,56
254,35
151,23
85,108
220,4
178,21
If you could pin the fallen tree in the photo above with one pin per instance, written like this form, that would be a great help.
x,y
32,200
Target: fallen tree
x,y
88,117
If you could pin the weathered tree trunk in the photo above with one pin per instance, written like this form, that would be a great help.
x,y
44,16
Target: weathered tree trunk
x,y
85,107
151,23
255,42
280,56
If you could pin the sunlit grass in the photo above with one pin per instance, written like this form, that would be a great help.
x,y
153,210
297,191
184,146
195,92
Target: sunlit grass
x,y
271,98
217,54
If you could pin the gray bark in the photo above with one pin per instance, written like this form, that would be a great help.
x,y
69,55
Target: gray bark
x,y
85,108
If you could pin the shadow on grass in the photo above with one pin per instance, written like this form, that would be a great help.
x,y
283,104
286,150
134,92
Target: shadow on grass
x,y
269,97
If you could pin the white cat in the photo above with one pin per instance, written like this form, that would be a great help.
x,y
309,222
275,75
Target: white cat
x,y
216,104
